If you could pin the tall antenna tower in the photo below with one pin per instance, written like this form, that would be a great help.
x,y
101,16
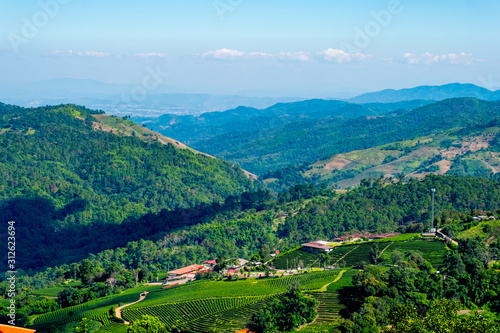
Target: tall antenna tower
x,y
433,230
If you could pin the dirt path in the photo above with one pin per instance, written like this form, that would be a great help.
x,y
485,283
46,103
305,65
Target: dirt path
x,y
447,237
118,311
385,248
323,289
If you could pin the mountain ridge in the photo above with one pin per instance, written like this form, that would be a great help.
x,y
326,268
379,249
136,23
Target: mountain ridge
x,y
442,92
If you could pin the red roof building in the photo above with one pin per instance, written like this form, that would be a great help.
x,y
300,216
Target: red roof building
x,y
192,269
316,247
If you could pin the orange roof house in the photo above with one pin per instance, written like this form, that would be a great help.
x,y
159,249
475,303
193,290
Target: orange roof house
x,y
185,270
14,329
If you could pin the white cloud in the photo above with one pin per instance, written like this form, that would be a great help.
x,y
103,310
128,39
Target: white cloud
x,y
429,58
223,54
293,56
151,55
341,57
226,54
70,53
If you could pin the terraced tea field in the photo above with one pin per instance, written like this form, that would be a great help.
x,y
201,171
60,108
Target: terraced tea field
x,y
432,251
227,306
114,328
102,315
359,254
243,287
328,308
98,309
295,258
225,314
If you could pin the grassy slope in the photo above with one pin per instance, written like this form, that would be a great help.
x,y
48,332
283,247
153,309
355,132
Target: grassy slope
x,y
479,231
418,157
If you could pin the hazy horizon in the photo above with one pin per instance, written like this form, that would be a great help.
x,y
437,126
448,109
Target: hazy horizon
x,y
326,49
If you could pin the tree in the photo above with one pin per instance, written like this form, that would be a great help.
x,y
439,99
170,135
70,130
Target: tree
x,y
285,314
323,257
74,270
375,254
264,252
87,271
441,317
87,326
67,297
397,257
147,324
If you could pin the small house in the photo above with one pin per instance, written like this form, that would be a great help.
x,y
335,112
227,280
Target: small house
x,y
315,247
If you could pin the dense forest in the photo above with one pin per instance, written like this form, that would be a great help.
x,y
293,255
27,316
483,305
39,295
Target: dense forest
x,y
60,178
243,225
412,297
464,151
255,224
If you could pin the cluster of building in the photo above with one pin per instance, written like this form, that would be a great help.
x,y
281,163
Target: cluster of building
x,y
483,217
318,246
190,271
356,237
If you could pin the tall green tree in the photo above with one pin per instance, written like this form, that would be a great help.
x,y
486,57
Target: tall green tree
x,y
147,324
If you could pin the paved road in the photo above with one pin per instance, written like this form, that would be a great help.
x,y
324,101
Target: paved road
x,y
447,237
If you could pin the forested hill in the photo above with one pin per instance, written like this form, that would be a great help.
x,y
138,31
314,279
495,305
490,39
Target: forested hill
x,y
244,225
248,121
307,140
60,160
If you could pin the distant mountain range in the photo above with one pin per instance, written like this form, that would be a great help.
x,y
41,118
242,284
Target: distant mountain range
x,y
436,93
126,99
304,132
256,122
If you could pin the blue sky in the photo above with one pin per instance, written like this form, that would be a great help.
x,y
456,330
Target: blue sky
x,y
287,48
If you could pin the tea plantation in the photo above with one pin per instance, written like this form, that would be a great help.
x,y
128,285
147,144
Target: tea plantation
x,y
228,305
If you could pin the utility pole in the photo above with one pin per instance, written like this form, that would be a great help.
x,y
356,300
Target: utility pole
x,y
433,230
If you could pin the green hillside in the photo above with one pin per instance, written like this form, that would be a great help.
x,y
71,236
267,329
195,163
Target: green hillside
x,y
67,167
230,304
257,132
258,223
309,139
470,151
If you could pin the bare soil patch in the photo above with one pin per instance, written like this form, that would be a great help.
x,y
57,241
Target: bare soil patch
x,y
336,164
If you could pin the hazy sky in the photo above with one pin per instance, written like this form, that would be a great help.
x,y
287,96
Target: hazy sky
x,y
273,47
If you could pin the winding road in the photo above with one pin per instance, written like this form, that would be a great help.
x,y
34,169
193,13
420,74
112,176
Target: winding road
x,y
118,311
